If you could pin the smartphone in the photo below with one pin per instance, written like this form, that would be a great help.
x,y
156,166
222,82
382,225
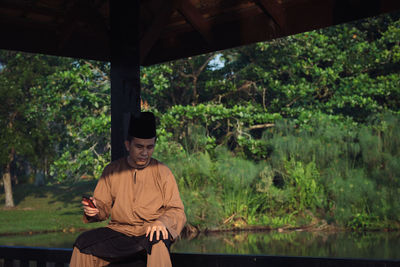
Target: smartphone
x,y
89,201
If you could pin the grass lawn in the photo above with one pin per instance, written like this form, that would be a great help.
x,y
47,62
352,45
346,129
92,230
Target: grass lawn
x,y
45,208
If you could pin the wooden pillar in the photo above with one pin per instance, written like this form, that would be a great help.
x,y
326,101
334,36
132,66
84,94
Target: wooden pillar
x,y
125,70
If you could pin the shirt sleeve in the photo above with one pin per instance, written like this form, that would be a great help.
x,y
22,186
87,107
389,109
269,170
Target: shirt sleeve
x,y
173,217
103,197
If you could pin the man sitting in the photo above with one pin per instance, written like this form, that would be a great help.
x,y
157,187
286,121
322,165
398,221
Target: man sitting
x,y
142,197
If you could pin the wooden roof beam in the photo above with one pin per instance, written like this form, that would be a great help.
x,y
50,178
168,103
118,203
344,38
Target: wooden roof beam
x,y
27,8
196,19
272,9
68,26
94,18
90,14
154,30
227,36
294,16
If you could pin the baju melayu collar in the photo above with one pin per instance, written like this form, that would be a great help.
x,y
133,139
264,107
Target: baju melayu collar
x,y
134,165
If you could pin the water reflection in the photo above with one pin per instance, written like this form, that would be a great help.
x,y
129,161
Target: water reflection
x,y
50,240
377,245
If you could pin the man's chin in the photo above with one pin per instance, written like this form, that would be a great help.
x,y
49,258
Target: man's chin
x,y
141,163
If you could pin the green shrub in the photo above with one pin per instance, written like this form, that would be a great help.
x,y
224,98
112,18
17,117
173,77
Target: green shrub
x,y
235,177
324,167
352,195
303,181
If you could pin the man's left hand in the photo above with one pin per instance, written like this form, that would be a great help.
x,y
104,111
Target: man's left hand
x,y
157,227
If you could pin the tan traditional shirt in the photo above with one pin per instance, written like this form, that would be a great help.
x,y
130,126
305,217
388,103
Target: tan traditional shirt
x,y
137,197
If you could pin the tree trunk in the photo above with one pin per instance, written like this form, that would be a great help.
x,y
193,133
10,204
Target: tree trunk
x,y
8,187
195,96
7,172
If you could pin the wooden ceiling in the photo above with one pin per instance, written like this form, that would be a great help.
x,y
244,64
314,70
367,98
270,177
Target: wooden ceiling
x,y
170,29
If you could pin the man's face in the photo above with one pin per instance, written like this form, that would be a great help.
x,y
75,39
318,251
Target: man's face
x,y
140,150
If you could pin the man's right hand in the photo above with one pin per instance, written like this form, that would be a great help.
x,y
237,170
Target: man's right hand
x,y
90,212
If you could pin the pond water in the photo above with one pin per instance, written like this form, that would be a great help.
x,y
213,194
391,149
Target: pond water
x,y
372,245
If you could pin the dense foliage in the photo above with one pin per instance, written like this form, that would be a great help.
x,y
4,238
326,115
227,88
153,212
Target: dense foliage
x,y
296,131
60,112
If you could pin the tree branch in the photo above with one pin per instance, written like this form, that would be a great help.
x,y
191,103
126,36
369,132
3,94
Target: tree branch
x,y
261,126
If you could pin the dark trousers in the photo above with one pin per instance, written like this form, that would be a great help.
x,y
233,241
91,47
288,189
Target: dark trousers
x,y
115,247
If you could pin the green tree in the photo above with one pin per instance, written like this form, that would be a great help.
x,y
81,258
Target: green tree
x,y
179,82
350,71
76,104
23,133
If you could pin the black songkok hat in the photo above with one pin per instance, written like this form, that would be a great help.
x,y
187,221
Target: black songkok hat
x,y
143,126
